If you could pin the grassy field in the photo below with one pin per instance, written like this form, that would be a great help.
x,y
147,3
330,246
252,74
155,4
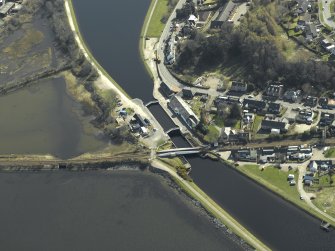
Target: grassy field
x,y
325,200
212,135
274,178
156,26
330,153
257,123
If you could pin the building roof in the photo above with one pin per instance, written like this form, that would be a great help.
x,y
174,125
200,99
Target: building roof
x,y
5,8
251,103
180,107
274,124
274,106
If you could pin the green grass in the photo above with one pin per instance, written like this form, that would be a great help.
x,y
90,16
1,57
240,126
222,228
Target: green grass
x,y
276,181
197,106
237,125
212,135
156,26
330,153
274,177
218,121
325,200
256,124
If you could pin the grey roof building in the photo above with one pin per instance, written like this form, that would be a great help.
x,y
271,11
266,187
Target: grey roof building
x,y
181,108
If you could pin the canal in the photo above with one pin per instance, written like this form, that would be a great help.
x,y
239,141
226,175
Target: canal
x,y
111,30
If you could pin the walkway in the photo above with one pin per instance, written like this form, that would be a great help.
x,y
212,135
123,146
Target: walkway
x,y
218,211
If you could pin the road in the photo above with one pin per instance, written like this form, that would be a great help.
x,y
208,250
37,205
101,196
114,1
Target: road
x,y
165,74
325,12
207,203
307,196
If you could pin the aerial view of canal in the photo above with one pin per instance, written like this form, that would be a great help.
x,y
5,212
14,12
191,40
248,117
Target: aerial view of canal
x,y
111,30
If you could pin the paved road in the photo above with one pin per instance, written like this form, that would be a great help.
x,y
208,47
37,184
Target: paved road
x,y
166,76
307,196
325,11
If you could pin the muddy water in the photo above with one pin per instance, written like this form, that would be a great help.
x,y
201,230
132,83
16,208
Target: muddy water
x,y
43,119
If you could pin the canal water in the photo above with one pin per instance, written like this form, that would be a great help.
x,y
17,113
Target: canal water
x,y
107,210
43,119
111,30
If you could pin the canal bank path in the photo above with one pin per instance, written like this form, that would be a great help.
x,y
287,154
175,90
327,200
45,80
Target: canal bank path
x,y
211,206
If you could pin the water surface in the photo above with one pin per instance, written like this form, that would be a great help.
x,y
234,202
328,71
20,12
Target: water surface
x,y
111,30
118,210
43,119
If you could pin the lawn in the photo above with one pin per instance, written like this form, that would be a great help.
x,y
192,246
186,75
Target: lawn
x,y
212,135
197,106
219,121
156,26
330,153
275,179
256,124
325,200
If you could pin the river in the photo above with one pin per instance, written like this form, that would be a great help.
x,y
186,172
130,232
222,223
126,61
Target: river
x,y
114,43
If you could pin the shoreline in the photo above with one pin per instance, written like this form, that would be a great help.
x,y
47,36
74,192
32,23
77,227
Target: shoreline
x,y
275,191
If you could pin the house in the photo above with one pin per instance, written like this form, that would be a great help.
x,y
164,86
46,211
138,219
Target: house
x,y
139,120
274,108
268,125
291,96
229,135
274,90
6,8
326,119
248,118
181,109
187,93
237,86
254,105
305,116
302,7
165,90
245,155
313,166
322,165
311,101
223,16
310,32
331,104
193,19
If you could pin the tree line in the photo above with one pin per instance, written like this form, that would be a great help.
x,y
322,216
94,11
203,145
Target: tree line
x,y
254,45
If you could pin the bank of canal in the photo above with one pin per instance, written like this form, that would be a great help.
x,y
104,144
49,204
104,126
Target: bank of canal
x,y
279,224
